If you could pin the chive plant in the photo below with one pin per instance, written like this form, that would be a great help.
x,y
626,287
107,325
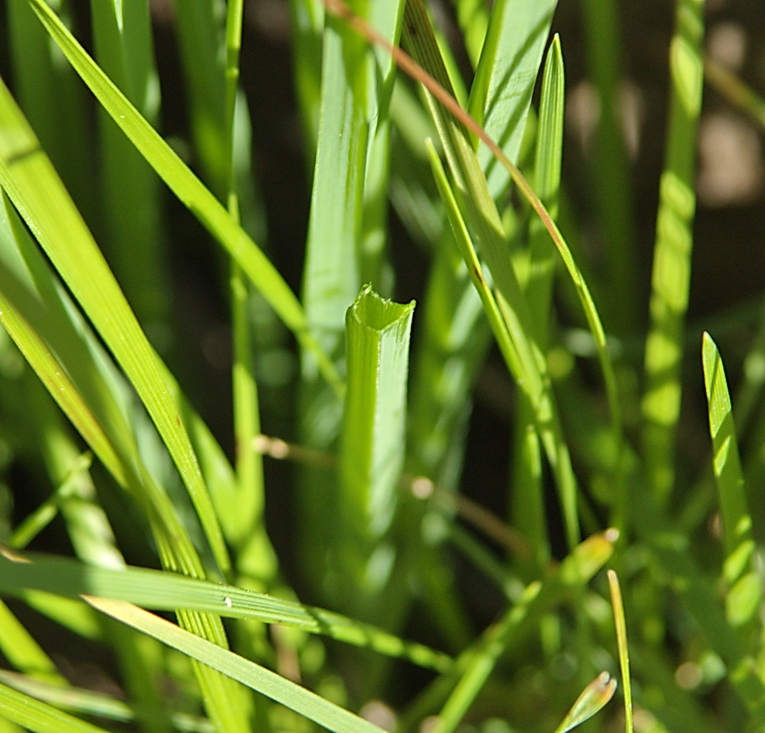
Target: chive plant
x,y
379,595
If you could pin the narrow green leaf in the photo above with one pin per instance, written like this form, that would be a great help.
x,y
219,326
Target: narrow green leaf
x,y
593,698
672,251
131,204
476,664
501,93
38,716
30,181
528,366
21,650
88,702
372,441
527,509
612,196
37,192
258,678
621,640
744,582
162,590
187,187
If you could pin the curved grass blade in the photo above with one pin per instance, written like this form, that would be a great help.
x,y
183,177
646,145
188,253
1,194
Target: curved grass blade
x,y
528,513
129,189
476,664
28,177
39,716
528,365
165,591
87,702
260,679
500,96
611,187
593,698
37,193
190,191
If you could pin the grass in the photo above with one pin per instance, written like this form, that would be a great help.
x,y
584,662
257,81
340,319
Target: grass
x,y
182,563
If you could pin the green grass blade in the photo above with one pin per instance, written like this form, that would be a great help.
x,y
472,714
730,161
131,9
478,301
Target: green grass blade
x,y
130,190
22,652
190,191
87,702
477,663
670,547
672,252
593,698
38,716
42,84
260,679
372,440
528,513
621,640
344,240
528,366
201,39
501,93
612,194
165,591
37,192
31,181
744,583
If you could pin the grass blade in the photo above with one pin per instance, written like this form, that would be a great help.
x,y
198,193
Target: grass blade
x,y
744,583
477,663
372,441
258,678
188,189
528,364
621,640
593,698
38,716
37,192
130,190
500,96
672,252
612,194
165,591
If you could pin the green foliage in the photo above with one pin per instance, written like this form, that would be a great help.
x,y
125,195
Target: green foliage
x,y
428,611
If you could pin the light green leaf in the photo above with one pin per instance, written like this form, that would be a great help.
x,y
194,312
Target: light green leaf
x,y
260,679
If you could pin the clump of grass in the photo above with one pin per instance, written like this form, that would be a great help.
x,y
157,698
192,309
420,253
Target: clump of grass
x,y
429,611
